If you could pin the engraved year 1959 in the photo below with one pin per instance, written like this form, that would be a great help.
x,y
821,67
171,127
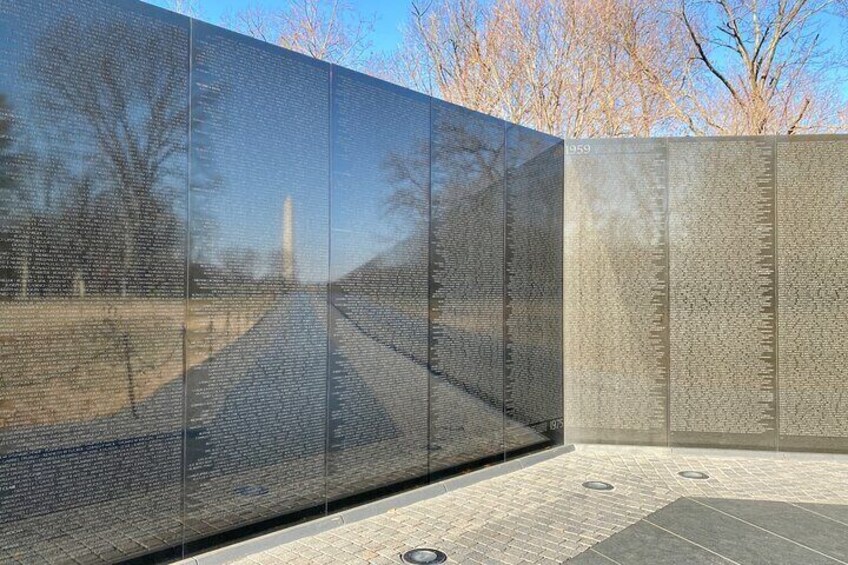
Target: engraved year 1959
x,y
578,149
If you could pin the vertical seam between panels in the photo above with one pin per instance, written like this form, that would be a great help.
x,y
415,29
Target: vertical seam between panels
x,y
504,278
667,332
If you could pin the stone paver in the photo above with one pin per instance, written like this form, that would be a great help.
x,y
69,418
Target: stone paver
x,y
542,514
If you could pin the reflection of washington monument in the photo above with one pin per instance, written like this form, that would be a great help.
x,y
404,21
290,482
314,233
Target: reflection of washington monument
x,y
288,240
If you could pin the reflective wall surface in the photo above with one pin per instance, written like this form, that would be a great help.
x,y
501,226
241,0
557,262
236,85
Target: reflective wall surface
x,y
616,292
722,273
533,290
705,292
378,264
812,265
467,286
93,186
240,287
256,343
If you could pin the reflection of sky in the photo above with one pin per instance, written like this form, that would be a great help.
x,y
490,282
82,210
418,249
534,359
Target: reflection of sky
x,y
373,123
265,136
388,16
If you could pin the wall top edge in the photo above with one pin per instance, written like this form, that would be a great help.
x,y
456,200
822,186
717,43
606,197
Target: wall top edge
x,y
252,42
381,83
694,139
554,140
166,16
482,115
178,19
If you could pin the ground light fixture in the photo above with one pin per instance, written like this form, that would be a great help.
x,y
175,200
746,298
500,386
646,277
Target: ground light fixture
x,y
598,485
697,475
423,556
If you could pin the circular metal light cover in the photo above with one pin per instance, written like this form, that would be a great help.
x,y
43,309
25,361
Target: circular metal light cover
x,y
697,475
423,556
598,485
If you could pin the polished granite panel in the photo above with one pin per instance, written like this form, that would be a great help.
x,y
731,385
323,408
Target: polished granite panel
x,y
93,160
224,307
616,292
533,289
812,244
378,427
466,286
256,347
731,332
723,374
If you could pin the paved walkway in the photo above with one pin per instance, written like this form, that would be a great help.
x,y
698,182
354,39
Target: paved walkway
x,y
542,514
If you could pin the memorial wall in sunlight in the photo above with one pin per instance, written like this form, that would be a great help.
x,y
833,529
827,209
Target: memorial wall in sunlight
x,y
241,287
706,292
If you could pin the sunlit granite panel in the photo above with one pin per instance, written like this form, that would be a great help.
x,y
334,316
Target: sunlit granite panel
x,y
616,292
812,251
722,293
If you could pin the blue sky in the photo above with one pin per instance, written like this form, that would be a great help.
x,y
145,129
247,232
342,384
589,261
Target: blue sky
x,y
389,14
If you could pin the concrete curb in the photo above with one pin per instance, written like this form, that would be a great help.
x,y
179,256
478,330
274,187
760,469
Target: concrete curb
x,y
265,542
709,452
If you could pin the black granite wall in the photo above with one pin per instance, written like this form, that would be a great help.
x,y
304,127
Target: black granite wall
x,y
240,287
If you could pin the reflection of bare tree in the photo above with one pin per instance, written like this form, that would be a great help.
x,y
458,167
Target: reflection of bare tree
x,y
409,178
9,182
93,171
77,216
128,112
468,155
461,148
35,230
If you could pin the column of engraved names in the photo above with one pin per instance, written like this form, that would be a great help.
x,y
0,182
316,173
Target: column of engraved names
x,y
616,291
722,292
813,277
466,345
257,324
90,309
533,298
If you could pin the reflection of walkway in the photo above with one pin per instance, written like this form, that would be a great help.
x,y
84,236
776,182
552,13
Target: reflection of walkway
x,y
463,425
256,420
256,429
